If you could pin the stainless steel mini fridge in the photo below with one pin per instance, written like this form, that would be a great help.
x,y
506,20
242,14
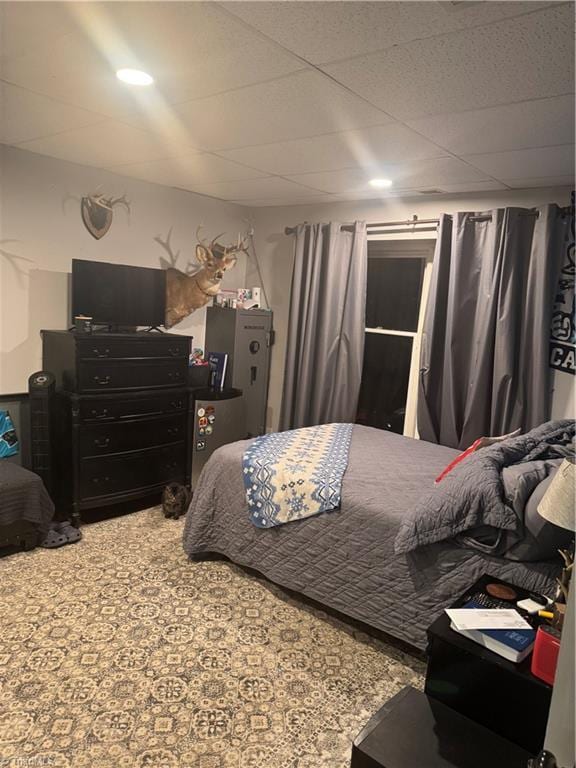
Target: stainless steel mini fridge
x,y
219,418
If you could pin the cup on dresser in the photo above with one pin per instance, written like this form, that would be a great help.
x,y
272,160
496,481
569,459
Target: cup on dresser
x,y
83,324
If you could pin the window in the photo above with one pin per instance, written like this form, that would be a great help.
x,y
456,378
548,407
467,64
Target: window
x,y
398,280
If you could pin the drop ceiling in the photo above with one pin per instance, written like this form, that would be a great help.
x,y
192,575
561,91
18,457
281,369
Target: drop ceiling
x,y
276,103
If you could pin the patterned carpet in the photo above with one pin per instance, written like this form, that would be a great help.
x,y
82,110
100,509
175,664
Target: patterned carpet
x,y
117,652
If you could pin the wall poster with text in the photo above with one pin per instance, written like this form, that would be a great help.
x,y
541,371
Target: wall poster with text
x,y
563,331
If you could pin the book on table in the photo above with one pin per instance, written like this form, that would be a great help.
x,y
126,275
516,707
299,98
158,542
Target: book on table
x,y
512,644
218,363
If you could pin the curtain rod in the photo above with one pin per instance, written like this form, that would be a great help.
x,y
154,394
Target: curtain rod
x,y
378,224
416,222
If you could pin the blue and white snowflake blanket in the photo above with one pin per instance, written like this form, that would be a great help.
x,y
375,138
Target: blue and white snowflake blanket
x,y
295,474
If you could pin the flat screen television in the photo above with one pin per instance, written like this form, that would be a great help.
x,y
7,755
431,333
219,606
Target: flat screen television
x,y
118,295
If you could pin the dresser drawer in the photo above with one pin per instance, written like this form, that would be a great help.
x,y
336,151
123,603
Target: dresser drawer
x,y
116,437
131,473
146,347
115,375
92,410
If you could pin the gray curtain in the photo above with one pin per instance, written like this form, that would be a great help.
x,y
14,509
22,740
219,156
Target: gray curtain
x,y
325,345
484,366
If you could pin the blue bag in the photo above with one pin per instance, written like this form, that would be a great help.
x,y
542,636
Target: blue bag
x,y
8,437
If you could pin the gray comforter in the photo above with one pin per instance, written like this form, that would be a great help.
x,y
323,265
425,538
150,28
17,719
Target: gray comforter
x,y
23,498
472,495
345,558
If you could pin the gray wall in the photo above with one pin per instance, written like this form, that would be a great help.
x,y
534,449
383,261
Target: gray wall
x,y
41,232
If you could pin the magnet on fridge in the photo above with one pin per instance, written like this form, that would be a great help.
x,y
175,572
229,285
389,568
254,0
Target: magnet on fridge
x,y
203,421
202,431
208,430
201,411
211,419
201,445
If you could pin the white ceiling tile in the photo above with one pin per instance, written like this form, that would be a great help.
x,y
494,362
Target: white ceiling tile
x,y
326,31
195,49
543,181
425,173
253,189
76,72
186,170
468,187
280,202
335,182
303,104
539,123
366,147
191,49
465,186
517,59
28,26
25,115
105,144
526,163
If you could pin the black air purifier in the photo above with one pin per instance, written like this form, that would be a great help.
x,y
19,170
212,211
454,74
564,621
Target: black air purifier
x,y
41,388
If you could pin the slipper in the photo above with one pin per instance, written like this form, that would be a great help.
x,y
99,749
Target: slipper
x,y
54,539
67,530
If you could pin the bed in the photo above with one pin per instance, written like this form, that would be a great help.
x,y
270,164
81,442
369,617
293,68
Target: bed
x,y
345,558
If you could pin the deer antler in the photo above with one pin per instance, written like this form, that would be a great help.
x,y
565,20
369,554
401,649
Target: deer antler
x,y
168,248
108,202
112,201
215,242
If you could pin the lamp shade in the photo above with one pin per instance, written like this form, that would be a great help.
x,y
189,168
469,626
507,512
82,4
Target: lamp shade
x,y
558,504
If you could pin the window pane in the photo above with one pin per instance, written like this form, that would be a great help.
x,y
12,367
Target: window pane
x,y
384,387
393,293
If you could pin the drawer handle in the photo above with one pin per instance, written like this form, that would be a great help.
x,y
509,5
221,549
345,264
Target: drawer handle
x,y
177,404
174,351
100,414
101,352
172,465
173,430
102,380
97,480
102,442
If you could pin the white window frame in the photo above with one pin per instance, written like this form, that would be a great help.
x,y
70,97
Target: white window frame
x,y
414,248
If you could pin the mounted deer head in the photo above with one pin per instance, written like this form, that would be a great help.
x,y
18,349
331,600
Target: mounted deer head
x,y
97,214
195,287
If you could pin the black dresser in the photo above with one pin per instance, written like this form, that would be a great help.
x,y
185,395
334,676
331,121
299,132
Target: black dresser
x,y
123,415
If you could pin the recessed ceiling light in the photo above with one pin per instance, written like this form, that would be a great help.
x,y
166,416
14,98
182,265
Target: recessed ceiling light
x,y
380,183
134,77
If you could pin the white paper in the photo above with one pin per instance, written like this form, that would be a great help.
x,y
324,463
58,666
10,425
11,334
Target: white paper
x,y
486,618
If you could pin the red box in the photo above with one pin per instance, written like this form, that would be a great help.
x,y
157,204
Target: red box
x,y
545,654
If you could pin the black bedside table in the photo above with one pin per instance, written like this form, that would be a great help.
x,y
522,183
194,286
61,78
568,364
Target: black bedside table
x,y
480,684
413,730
